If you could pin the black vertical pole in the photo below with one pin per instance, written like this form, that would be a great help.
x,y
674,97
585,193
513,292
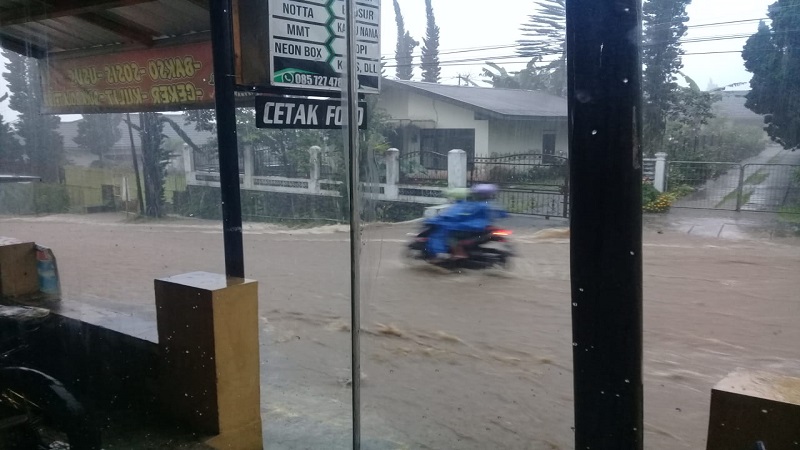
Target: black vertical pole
x,y
222,49
604,72
351,94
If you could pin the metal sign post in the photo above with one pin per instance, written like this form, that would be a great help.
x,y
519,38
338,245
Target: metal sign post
x,y
222,47
351,94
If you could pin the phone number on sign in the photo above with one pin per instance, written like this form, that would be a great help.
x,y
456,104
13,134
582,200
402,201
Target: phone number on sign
x,y
311,80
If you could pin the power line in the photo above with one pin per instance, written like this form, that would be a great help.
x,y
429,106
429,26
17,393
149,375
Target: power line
x,y
527,58
515,45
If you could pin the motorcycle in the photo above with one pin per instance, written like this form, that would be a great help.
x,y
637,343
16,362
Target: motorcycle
x,y
487,249
36,410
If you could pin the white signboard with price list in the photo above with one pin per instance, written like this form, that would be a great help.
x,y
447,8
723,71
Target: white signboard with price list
x,y
308,44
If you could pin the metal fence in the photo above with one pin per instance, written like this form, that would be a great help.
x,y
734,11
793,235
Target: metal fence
x,y
530,183
270,164
735,187
649,168
770,188
423,167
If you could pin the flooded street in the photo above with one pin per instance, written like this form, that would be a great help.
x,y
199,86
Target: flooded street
x,y
469,360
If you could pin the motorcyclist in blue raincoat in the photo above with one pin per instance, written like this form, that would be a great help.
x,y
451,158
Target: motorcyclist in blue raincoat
x,y
462,220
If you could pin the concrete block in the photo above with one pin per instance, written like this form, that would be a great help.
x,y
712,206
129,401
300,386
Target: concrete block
x,y
752,406
209,375
18,273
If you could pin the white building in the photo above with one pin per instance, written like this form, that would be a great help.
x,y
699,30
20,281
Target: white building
x,y
482,121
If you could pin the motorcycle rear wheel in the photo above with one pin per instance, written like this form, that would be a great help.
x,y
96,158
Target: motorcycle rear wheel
x,y
43,413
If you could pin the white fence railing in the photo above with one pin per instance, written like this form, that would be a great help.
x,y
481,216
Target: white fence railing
x,y
391,190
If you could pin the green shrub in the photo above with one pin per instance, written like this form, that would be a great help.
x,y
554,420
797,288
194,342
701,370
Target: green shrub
x,y
681,190
649,193
33,198
50,198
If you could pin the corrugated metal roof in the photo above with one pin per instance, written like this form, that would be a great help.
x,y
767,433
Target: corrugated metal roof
x,y
504,102
52,26
69,131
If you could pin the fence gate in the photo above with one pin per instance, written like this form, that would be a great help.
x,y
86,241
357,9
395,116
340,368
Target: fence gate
x,y
530,183
735,187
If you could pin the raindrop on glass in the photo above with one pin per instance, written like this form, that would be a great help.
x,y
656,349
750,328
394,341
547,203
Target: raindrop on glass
x,y
574,344
575,304
625,80
580,289
764,411
594,132
627,380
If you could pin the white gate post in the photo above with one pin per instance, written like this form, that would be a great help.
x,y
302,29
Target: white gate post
x,y
248,166
392,157
313,182
456,169
660,181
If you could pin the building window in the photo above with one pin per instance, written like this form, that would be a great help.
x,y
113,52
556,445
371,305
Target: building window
x,y
548,148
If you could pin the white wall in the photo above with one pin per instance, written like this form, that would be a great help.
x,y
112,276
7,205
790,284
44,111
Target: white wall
x,y
513,137
491,136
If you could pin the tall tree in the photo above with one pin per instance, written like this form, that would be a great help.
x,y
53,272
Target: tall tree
x,y
10,148
546,30
772,55
98,133
155,159
41,143
431,72
545,42
546,36
405,47
664,25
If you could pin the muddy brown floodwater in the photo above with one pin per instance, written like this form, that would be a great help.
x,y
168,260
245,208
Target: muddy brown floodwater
x,y
466,361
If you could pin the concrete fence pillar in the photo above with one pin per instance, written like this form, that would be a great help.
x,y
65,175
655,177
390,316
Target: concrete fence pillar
x,y
314,154
456,169
392,158
660,181
248,166
188,159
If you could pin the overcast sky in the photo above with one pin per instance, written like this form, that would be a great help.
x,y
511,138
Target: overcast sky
x,y
467,25
462,25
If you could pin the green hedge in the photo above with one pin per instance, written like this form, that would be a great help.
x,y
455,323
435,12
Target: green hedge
x,y
276,207
33,198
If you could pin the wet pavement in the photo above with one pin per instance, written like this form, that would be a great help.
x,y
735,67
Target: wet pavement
x,y
325,419
723,224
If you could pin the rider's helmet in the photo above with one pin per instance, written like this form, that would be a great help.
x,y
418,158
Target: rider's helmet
x,y
457,194
484,191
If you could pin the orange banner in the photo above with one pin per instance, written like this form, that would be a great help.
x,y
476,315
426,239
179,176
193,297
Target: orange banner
x,y
156,79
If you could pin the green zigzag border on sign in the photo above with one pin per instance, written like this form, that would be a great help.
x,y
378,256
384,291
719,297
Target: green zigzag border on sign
x,y
331,34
